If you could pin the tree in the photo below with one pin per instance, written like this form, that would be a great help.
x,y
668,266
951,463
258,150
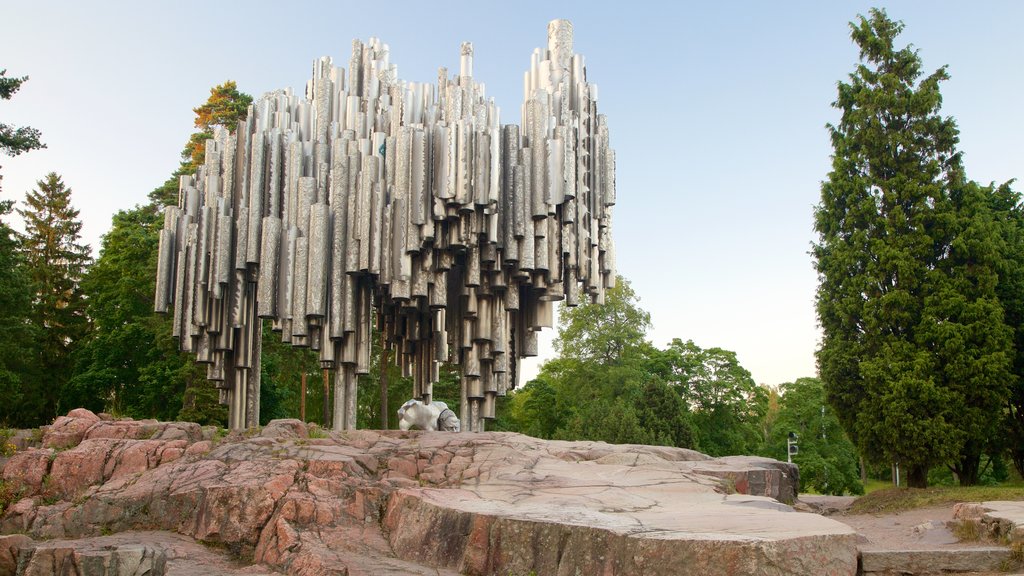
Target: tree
x,y
827,459
225,107
129,364
14,141
606,383
728,406
55,263
913,350
604,333
17,334
1008,214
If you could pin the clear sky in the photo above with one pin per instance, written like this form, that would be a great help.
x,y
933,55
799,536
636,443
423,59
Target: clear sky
x,y
717,112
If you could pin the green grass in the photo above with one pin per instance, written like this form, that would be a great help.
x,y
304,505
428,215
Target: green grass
x,y
888,500
873,485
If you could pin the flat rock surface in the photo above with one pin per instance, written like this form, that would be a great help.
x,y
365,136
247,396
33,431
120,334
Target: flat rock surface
x,y
276,500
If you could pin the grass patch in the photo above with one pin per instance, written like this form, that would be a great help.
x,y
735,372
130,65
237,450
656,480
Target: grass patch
x,y
317,432
966,530
873,485
888,500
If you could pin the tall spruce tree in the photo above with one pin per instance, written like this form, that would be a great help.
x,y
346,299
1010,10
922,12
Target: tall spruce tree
x,y
55,263
914,355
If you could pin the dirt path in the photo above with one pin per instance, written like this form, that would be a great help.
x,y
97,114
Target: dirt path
x,y
910,529
922,528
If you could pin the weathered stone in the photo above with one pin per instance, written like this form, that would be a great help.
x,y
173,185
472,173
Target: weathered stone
x,y
146,430
9,547
1001,520
26,470
285,428
68,431
397,502
934,561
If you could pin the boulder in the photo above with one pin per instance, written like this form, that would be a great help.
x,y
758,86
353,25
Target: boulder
x,y
26,470
68,431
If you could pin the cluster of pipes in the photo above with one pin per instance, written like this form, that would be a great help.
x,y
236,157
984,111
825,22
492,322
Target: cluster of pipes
x,y
406,205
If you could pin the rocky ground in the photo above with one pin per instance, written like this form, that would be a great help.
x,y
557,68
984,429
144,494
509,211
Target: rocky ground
x,y
126,497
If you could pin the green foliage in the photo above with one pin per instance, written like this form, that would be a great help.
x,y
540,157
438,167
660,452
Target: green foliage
x,y
914,355
282,366
14,141
225,107
604,333
129,364
55,263
728,406
17,333
827,459
1008,217
606,385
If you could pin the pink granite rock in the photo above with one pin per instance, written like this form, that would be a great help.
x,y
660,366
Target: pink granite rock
x,y
26,470
68,431
9,547
285,428
366,502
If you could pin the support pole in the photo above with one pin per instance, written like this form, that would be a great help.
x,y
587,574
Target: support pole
x,y
302,399
383,381
327,399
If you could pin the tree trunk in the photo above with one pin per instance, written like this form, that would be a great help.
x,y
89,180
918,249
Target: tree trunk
x,y
968,467
1017,455
917,476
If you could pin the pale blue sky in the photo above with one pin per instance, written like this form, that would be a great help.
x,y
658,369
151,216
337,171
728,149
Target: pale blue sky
x,y
717,112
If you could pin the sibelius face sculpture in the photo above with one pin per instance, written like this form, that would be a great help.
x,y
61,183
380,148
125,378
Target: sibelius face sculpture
x,y
408,205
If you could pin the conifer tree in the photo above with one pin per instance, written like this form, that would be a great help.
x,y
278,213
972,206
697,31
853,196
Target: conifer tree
x,y
16,332
914,355
55,261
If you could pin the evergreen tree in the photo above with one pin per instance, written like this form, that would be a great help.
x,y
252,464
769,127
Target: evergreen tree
x,y
914,353
14,141
1008,216
55,263
17,334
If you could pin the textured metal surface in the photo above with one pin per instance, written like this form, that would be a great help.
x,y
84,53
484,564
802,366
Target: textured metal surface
x,y
407,199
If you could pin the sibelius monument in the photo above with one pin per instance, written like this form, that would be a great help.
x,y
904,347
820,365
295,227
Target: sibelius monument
x,y
408,205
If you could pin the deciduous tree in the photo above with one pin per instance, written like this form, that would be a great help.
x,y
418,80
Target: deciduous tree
x,y
826,457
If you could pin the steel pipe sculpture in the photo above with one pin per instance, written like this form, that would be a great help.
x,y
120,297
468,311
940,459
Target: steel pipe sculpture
x,y
405,204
